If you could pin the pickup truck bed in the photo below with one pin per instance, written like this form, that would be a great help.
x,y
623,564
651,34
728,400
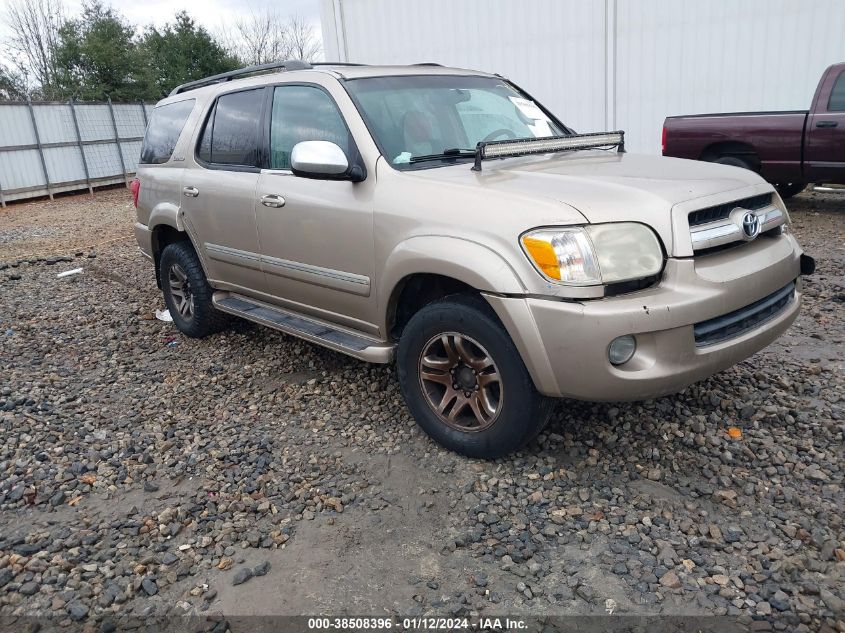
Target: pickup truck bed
x,y
771,141
788,148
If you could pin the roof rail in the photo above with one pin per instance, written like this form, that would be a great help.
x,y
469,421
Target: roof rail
x,y
336,64
428,64
291,64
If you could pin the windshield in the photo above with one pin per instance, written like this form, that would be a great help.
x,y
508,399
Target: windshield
x,y
427,115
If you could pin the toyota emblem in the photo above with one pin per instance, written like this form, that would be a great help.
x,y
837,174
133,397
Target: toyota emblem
x,y
750,225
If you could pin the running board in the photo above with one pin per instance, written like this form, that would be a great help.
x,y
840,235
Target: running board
x,y
305,328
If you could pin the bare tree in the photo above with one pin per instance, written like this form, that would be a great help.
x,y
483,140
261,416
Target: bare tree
x,y
262,35
304,44
257,37
33,27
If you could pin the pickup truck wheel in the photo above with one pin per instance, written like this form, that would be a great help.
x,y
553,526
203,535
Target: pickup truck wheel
x,y
186,292
734,161
464,381
789,189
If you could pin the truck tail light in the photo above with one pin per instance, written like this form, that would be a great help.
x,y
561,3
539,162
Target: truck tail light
x,y
663,141
135,188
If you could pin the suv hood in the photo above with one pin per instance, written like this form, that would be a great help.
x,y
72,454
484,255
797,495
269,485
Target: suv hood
x,y
605,186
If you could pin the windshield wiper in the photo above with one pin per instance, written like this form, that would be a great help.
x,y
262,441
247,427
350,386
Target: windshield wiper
x,y
452,152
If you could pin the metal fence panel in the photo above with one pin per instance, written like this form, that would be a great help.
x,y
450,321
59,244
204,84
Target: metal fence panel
x,y
21,169
94,122
63,164
129,119
54,123
47,148
15,126
103,160
131,154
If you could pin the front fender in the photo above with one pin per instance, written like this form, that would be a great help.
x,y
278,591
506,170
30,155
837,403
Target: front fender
x,y
469,262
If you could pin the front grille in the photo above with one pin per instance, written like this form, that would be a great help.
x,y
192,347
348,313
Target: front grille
x,y
721,212
771,233
741,321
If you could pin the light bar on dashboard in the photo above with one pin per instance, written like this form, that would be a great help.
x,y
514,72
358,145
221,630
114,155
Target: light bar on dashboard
x,y
545,145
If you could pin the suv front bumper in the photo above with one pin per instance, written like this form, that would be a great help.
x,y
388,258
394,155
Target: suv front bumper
x,y
564,344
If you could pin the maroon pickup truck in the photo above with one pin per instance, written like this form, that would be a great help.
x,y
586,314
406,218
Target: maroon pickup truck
x,y
789,149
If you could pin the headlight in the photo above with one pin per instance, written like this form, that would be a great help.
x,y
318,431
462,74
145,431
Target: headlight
x,y
595,254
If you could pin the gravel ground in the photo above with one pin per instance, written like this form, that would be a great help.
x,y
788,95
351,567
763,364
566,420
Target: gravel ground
x,y
143,473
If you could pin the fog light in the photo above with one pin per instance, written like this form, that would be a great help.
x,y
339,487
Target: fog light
x,y
621,349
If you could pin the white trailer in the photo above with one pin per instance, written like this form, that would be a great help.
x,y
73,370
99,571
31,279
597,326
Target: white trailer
x,y
609,64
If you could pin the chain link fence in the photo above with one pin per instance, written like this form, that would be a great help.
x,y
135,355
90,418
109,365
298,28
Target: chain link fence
x,y
49,148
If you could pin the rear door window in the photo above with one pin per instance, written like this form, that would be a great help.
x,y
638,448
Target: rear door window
x,y
303,113
232,132
164,130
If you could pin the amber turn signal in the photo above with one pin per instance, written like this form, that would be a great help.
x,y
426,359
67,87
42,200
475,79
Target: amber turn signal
x,y
543,255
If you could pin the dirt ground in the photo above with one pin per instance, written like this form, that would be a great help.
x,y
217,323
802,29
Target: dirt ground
x,y
144,474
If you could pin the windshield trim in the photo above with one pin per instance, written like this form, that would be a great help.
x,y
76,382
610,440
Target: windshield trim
x,y
451,160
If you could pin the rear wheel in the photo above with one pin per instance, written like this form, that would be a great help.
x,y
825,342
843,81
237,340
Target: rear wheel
x,y
734,161
187,293
464,380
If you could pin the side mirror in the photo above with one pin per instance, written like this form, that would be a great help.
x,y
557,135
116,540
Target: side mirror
x,y
322,160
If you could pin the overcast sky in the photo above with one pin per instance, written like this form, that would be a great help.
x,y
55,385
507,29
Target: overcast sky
x,y
210,13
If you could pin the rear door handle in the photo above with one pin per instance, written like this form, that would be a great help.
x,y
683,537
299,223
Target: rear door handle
x,y
273,201
191,192
827,123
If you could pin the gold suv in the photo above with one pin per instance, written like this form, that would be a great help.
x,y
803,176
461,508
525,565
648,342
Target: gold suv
x,y
446,219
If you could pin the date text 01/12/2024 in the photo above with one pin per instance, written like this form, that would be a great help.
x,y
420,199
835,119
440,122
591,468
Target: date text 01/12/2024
x,y
417,623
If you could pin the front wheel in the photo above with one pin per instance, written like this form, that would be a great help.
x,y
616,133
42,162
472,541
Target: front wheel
x,y
464,380
789,189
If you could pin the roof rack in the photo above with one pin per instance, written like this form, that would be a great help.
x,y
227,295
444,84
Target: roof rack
x,y
291,64
336,64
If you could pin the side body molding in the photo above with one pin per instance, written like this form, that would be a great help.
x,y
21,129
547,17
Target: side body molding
x,y
464,260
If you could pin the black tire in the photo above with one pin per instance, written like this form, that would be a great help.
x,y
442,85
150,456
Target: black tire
x,y
734,161
789,189
522,412
203,319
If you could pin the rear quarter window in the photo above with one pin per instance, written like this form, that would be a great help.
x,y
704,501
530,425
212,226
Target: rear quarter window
x,y
163,131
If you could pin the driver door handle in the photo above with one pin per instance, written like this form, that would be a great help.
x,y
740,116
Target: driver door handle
x,y
273,201
827,124
191,192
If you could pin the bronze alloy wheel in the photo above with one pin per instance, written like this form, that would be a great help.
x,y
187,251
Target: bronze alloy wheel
x,y
460,382
180,289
